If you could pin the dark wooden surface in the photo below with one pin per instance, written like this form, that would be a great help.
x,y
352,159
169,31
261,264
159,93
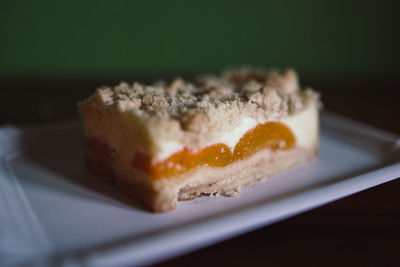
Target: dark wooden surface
x,y
360,230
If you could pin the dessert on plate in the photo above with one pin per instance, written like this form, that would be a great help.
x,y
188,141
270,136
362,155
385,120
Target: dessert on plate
x,y
180,140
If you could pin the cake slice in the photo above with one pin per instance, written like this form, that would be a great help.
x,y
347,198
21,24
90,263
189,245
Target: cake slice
x,y
177,141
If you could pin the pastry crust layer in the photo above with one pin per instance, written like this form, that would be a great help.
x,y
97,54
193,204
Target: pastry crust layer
x,y
161,196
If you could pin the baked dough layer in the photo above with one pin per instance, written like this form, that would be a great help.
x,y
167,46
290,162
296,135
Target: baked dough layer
x,y
161,196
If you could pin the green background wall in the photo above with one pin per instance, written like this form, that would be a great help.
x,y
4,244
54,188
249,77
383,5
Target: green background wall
x,y
72,39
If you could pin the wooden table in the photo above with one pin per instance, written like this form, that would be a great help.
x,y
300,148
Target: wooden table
x,y
363,229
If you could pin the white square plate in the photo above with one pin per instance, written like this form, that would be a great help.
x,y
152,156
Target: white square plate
x,y
53,211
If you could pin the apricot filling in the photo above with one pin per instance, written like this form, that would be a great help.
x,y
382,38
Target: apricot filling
x,y
271,135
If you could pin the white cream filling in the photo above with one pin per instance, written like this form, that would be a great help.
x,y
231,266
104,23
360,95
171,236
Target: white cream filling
x,y
232,138
167,148
303,124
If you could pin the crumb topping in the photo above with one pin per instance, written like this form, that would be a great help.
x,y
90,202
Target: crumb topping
x,y
251,90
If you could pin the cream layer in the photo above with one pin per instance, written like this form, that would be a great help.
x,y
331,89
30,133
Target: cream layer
x,y
303,124
127,137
